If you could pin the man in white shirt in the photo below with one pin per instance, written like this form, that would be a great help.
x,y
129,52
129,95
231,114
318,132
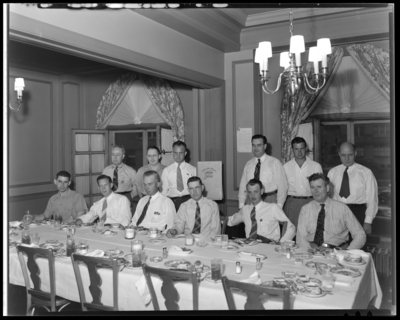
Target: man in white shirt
x,y
198,215
113,208
297,171
176,175
154,210
328,221
356,186
261,219
268,170
123,176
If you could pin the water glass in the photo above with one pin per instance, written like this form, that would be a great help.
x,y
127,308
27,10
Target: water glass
x,y
137,258
57,224
100,226
35,238
136,245
82,247
26,237
216,269
327,281
224,239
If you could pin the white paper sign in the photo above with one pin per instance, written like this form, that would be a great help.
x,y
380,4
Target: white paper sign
x,y
210,172
244,139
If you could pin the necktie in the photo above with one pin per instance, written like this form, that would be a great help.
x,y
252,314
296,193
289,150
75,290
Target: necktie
x,y
143,213
253,231
104,210
197,222
115,180
319,233
257,170
345,188
179,181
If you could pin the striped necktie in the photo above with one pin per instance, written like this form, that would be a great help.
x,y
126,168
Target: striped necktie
x,y
257,170
143,215
319,233
115,180
179,181
104,211
253,231
197,222
345,188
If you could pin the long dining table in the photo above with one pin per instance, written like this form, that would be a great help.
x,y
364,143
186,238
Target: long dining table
x,y
132,294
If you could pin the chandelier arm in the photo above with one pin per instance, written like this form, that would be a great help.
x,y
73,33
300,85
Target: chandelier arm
x,y
15,109
311,87
265,86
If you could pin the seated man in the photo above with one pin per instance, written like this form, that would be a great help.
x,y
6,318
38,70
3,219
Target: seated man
x,y
198,215
324,220
66,203
113,208
261,219
154,210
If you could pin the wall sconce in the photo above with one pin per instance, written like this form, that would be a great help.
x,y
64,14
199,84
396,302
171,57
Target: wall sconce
x,y
19,87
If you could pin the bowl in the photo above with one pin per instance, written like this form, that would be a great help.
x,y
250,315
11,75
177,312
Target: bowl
x,y
115,225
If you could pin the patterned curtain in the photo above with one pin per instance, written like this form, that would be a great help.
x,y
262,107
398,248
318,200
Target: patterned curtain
x,y
166,101
304,103
374,61
113,96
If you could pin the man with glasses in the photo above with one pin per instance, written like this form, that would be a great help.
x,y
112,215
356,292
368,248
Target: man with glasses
x,y
176,175
122,176
198,215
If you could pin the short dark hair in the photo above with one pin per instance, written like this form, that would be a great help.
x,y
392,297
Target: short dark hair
x,y
259,136
152,173
65,174
155,148
103,176
299,140
193,179
253,182
179,143
317,176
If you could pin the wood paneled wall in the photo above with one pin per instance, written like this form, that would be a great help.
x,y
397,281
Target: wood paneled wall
x,y
40,137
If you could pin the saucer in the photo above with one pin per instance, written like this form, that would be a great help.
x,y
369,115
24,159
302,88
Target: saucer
x,y
157,241
182,264
302,256
230,248
306,293
347,260
112,234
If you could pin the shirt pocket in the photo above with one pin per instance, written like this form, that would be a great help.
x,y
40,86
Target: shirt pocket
x,y
157,218
266,176
264,226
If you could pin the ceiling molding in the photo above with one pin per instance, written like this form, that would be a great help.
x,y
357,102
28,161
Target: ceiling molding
x,y
216,14
298,13
237,14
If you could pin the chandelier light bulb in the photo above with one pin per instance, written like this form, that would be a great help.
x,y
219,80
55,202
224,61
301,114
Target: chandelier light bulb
x,y
324,46
314,55
284,59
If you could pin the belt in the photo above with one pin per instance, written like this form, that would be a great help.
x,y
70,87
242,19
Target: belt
x,y
186,195
124,193
270,193
296,197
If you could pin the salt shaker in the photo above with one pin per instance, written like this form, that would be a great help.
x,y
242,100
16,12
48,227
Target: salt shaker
x,y
258,264
288,254
165,253
238,267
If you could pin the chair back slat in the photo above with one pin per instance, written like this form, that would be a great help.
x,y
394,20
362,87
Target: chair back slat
x,y
168,289
93,264
253,293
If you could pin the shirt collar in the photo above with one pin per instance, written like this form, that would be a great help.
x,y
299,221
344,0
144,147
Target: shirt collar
x,y
65,194
350,168
111,195
182,164
258,206
155,196
119,167
262,158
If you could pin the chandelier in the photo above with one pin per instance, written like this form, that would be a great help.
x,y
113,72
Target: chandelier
x,y
291,63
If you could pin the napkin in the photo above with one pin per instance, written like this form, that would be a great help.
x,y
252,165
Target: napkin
x,y
362,253
14,223
175,248
96,253
343,280
340,254
143,289
254,279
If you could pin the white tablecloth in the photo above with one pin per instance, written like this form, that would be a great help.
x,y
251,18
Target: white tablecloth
x,y
364,290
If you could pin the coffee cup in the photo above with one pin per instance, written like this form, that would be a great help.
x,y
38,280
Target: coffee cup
x,y
354,258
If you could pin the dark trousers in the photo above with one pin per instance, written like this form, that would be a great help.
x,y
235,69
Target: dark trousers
x,y
179,200
359,212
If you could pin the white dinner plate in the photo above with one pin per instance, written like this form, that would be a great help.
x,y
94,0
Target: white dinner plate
x,y
157,241
180,253
201,244
111,253
350,272
203,268
311,282
250,255
157,237
348,261
304,292
178,264
313,265
230,247
302,256
246,242
112,234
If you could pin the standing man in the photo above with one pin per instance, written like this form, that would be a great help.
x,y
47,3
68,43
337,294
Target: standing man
x,y
297,171
154,157
154,210
176,175
268,170
112,208
325,220
123,176
66,203
356,186
198,215
261,219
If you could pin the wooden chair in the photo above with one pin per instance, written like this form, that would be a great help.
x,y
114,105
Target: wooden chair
x,y
93,263
168,289
35,296
253,293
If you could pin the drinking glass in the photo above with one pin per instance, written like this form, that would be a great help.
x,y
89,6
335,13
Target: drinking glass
x,y
26,237
136,245
327,280
224,239
83,246
216,269
35,238
57,224
137,258
100,226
